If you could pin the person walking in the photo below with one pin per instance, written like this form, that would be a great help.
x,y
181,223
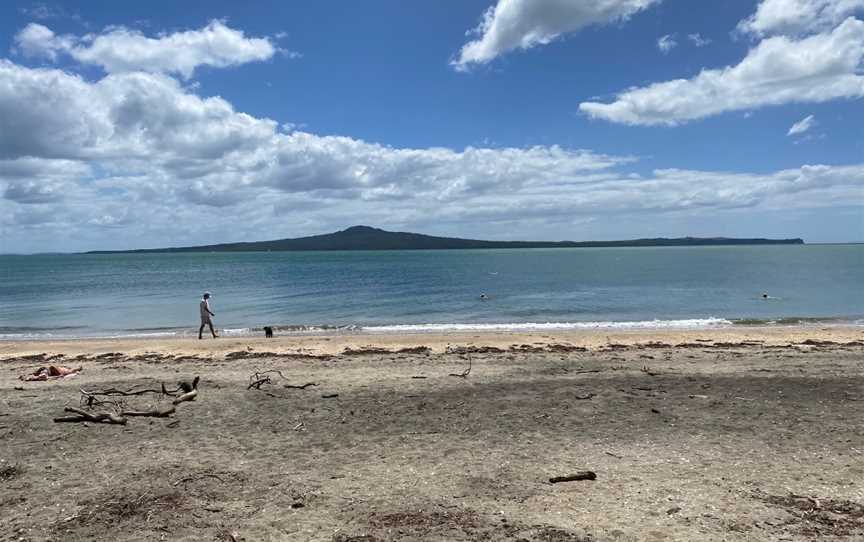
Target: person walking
x,y
206,315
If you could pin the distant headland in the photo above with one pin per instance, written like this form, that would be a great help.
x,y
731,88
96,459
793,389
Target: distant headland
x,y
368,238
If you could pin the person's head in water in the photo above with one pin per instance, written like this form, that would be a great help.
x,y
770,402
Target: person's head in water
x,y
482,296
764,296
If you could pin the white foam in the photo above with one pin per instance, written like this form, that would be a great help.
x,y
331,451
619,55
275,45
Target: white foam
x,y
696,323
235,332
154,334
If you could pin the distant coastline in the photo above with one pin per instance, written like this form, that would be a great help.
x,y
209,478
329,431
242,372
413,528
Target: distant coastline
x,y
368,238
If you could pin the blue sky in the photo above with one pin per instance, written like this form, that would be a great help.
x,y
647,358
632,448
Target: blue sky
x,y
334,113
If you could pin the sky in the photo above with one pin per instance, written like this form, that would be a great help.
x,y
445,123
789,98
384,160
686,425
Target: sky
x,y
133,125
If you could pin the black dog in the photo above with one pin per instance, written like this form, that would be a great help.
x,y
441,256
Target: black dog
x,y
268,332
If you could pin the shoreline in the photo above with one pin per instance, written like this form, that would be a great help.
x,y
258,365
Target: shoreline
x,y
328,343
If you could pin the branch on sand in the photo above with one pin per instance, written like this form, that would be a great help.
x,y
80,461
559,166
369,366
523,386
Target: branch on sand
x,y
583,475
82,416
190,389
91,398
163,411
260,378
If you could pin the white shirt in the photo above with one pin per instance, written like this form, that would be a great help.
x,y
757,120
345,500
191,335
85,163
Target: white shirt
x,y
205,310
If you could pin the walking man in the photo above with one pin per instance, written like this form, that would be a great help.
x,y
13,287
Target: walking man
x,y
206,315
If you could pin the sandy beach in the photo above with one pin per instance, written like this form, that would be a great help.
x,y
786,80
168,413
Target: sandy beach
x,y
725,434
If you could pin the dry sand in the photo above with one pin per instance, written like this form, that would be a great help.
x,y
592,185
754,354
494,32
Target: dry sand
x,y
733,434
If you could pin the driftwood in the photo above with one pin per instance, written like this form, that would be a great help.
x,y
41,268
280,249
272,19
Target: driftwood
x,y
116,399
91,397
189,396
82,416
260,378
191,391
303,387
466,372
159,412
584,475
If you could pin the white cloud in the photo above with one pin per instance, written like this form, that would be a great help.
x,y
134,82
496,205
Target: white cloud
x,y
666,43
120,49
802,126
698,40
38,40
522,24
798,16
143,155
779,70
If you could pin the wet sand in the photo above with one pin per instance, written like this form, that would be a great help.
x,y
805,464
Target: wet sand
x,y
732,434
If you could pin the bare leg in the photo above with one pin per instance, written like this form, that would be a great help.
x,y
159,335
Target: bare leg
x,y
212,331
200,330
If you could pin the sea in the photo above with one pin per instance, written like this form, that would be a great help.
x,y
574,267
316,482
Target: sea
x,y
62,296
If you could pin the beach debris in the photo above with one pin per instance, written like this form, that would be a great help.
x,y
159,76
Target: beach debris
x,y
300,387
563,348
365,351
673,510
191,391
116,399
616,456
575,477
697,396
10,472
584,396
51,372
473,350
415,350
648,371
163,411
83,416
330,395
261,378
466,372
839,518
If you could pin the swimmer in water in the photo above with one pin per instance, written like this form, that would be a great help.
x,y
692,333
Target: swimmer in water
x,y
483,296
764,296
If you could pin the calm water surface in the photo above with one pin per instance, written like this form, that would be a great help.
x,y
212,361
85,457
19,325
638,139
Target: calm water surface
x,y
107,295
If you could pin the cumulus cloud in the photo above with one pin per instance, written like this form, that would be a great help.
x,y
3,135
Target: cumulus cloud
x,y
779,70
666,43
798,16
147,157
522,24
38,40
802,126
120,49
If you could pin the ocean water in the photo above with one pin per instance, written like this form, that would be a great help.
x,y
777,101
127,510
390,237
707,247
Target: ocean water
x,y
157,294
